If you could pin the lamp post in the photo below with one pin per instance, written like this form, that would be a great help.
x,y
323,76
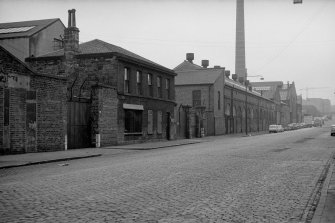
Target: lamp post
x,y
246,106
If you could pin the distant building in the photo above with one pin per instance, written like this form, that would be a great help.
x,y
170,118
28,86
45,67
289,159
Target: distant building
x,y
32,38
225,105
289,105
323,105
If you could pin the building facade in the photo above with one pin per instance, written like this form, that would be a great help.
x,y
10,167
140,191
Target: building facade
x,y
228,105
121,97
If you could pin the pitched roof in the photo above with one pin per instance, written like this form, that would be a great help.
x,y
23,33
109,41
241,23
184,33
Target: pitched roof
x,y
97,46
186,65
200,76
25,28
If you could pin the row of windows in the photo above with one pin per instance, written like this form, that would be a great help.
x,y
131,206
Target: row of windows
x,y
139,84
196,99
133,121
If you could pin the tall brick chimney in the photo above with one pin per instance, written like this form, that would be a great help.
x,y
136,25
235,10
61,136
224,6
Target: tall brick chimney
x,y
71,36
240,67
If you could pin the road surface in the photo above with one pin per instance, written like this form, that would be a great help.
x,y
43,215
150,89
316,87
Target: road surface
x,y
264,178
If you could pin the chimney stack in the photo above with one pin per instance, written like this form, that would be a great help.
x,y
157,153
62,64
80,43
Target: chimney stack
x,y
234,76
190,57
204,63
227,73
71,36
241,79
217,66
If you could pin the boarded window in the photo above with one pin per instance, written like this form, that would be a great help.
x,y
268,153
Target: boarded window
x,y
196,98
133,121
6,108
159,122
150,122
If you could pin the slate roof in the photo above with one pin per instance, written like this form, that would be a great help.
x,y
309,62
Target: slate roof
x,y
186,65
38,26
97,46
200,76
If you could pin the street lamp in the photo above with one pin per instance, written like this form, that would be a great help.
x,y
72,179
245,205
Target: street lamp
x,y
297,1
246,106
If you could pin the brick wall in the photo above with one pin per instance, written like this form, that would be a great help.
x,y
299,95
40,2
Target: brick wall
x,y
51,112
104,115
1,115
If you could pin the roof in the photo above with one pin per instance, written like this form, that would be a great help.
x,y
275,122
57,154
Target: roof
x,y
186,65
24,29
200,76
240,86
97,46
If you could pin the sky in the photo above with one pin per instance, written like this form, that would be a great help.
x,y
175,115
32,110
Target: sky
x,y
284,41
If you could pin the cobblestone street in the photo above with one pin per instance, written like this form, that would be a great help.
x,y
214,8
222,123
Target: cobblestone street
x,y
264,178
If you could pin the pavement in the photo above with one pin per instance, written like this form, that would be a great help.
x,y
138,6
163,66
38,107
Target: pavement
x,y
17,160
325,212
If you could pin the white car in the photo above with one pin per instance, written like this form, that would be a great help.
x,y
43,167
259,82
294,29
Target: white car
x,y
276,128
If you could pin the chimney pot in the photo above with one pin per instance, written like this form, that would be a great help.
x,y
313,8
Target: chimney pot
x,y
241,80
190,57
204,63
217,66
234,76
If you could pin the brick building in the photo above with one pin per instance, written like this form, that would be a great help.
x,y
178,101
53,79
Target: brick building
x,y
34,108
37,37
229,106
114,96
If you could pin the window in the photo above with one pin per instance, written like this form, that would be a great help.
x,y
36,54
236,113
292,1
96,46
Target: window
x,y
150,122
159,122
167,88
159,87
150,85
139,82
196,98
126,80
219,100
133,121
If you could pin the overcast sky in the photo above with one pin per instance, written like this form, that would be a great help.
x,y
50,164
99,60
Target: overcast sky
x,y
284,41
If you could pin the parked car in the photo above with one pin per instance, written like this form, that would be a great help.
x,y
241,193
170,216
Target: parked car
x,y
332,130
276,128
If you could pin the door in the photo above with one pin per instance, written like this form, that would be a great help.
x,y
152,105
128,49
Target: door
x,y
79,125
168,122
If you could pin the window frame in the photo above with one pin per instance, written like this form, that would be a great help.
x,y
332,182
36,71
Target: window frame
x,y
130,125
167,88
150,87
126,80
139,82
159,86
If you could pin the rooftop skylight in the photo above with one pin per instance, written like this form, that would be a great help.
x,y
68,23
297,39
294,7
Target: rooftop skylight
x,y
16,29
